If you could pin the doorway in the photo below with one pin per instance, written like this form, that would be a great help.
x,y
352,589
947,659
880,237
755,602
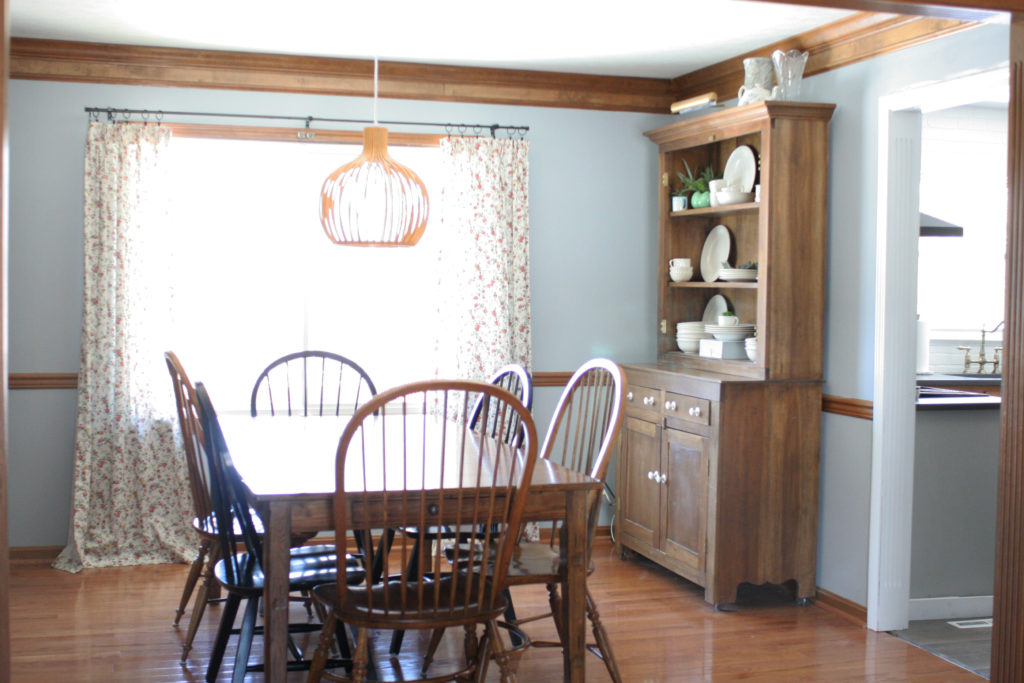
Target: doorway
x,y
893,430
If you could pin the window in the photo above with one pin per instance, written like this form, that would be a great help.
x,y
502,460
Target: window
x,y
254,276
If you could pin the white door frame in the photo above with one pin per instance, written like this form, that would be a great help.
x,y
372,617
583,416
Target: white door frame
x,y
892,448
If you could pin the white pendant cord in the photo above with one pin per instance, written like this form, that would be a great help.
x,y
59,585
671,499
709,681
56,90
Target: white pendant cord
x,y
375,91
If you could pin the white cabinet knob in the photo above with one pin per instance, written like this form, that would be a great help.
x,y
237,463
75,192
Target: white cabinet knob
x,y
648,401
653,476
694,411
670,405
629,396
662,478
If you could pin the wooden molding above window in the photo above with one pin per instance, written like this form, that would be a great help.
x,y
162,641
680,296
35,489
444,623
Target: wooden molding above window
x,y
860,36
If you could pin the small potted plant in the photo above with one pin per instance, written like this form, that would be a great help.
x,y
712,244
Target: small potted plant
x,y
701,196
679,199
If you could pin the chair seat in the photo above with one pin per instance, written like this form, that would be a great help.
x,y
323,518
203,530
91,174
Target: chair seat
x,y
443,606
434,533
308,566
208,525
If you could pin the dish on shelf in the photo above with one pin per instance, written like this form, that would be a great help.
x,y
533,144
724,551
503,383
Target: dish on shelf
x,y
741,169
717,305
715,252
727,197
732,335
690,326
738,274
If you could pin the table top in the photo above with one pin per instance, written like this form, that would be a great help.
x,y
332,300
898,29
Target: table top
x,y
294,458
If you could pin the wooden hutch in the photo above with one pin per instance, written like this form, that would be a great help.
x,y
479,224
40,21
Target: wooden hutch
x,y
718,470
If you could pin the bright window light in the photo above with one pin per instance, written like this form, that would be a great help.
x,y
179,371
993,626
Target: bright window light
x,y
255,277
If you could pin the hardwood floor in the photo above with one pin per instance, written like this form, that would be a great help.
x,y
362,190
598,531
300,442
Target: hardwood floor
x,y
115,625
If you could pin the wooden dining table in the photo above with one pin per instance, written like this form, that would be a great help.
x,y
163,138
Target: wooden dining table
x,y
288,467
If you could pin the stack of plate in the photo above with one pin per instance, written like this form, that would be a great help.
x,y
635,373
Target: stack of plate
x,y
731,332
689,334
738,274
750,343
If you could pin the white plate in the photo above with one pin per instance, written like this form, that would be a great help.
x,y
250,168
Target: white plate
x,y
738,275
716,251
717,305
741,169
731,336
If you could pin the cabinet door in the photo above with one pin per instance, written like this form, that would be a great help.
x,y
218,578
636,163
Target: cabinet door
x,y
684,495
640,506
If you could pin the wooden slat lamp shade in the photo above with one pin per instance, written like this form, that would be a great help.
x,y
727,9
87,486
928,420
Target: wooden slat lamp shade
x,y
374,201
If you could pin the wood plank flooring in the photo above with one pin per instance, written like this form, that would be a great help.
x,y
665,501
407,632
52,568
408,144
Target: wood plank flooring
x,y
115,625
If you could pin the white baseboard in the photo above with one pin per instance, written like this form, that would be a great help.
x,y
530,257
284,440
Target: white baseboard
x,y
950,608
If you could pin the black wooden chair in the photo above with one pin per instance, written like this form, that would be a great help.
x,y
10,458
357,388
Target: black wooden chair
x,y
444,479
311,383
501,423
240,574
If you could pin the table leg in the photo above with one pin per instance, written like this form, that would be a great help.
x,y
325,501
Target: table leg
x,y
574,586
276,551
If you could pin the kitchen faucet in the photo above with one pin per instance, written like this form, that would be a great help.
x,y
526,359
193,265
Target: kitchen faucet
x,y
981,361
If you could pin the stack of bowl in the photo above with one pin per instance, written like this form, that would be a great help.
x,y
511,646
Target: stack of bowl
x,y
750,343
689,334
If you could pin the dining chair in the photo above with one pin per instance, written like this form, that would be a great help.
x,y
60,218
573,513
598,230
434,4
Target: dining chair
x,y
500,422
583,433
240,573
408,464
311,383
202,511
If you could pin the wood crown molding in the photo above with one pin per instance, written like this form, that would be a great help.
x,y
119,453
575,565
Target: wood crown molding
x,y
860,36
138,65
853,39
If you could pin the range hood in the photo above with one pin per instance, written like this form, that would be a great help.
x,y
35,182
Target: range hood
x,y
936,227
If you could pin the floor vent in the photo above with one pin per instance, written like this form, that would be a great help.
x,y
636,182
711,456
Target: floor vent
x,y
971,623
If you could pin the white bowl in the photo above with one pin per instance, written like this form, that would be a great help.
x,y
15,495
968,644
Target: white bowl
x,y
752,353
688,346
690,324
726,197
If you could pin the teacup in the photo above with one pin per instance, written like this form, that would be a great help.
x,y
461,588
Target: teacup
x,y
728,320
679,263
681,274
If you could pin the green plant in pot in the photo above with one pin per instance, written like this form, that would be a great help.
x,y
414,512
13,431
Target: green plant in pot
x,y
701,196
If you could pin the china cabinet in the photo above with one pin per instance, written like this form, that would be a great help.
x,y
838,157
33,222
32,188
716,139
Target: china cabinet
x,y
718,471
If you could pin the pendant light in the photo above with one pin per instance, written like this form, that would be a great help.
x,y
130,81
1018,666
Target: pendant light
x,y
374,201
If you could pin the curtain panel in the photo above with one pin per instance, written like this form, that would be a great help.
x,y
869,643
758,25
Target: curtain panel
x,y
130,501
484,274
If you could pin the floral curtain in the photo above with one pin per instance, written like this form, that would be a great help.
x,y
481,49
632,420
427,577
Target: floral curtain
x,y
129,501
484,273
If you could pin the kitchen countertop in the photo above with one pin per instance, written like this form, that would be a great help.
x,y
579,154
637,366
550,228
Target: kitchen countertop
x,y
934,392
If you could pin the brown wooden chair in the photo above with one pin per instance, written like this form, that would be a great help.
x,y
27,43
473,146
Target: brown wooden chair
x,y
241,574
311,383
584,431
199,487
434,473
502,422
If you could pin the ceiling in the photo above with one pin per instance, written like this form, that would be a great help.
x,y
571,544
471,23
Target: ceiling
x,y
655,38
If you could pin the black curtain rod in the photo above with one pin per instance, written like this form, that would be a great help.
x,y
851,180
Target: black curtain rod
x,y
157,115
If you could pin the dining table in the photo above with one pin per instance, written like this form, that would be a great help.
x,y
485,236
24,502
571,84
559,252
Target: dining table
x,y
288,467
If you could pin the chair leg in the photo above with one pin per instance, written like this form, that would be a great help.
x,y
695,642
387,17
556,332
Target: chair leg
x,y
220,644
319,661
435,640
555,601
499,653
411,572
245,640
194,570
203,598
362,649
510,617
478,651
604,646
